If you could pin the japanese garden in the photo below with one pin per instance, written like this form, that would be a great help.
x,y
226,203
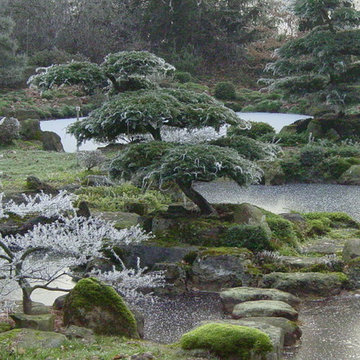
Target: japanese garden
x,y
179,179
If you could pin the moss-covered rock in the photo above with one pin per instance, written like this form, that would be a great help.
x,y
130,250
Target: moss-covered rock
x,y
97,306
228,341
307,284
30,338
234,296
262,308
44,322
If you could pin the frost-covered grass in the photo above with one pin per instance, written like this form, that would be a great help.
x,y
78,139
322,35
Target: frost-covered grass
x,y
58,169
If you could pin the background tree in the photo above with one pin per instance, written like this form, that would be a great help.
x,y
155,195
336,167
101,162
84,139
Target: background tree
x,y
185,164
11,66
134,112
324,58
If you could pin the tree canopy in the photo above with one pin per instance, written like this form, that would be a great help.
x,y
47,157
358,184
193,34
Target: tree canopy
x,y
183,165
322,59
148,111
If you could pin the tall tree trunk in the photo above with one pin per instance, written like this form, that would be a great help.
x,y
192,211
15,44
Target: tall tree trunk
x,y
155,132
205,207
27,303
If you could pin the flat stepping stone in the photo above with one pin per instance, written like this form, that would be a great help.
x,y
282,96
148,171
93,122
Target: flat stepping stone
x,y
264,308
306,284
234,296
324,247
302,262
44,322
30,338
292,331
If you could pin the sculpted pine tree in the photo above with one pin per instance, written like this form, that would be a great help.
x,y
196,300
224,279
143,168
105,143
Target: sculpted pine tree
x,y
137,104
185,164
324,59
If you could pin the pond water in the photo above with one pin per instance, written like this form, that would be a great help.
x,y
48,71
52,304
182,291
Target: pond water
x,y
276,120
331,330
284,198
69,142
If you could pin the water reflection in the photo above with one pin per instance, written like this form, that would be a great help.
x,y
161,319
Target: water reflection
x,y
331,330
276,120
284,198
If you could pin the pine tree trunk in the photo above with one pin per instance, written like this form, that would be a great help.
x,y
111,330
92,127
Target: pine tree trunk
x,y
205,207
155,132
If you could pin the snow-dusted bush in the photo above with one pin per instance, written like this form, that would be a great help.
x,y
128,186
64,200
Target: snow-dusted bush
x,y
43,204
48,251
90,159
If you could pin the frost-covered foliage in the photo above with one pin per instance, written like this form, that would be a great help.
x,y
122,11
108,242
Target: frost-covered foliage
x,y
192,136
134,70
86,74
130,282
190,163
90,159
43,204
142,112
9,130
48,251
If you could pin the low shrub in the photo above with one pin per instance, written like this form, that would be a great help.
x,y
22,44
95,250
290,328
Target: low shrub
x,y
9,130
282,229
90,159
285,139
182,77
227,341
333,219
225,91
249,148
265,106
312,155
257,130
118,198
318,227
252,237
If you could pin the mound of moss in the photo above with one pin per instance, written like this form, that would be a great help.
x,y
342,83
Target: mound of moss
x,y
227,340
94,305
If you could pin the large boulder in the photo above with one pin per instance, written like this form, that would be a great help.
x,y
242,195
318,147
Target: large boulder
x,y
30,338
9,130
292,332
234,296
51,141
44,322
35,184
228,341
261,308
351,176
351,249
214,270
96,306
306,284
275,333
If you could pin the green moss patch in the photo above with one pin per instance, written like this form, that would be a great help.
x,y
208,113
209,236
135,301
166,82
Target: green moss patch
x,y
228,340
